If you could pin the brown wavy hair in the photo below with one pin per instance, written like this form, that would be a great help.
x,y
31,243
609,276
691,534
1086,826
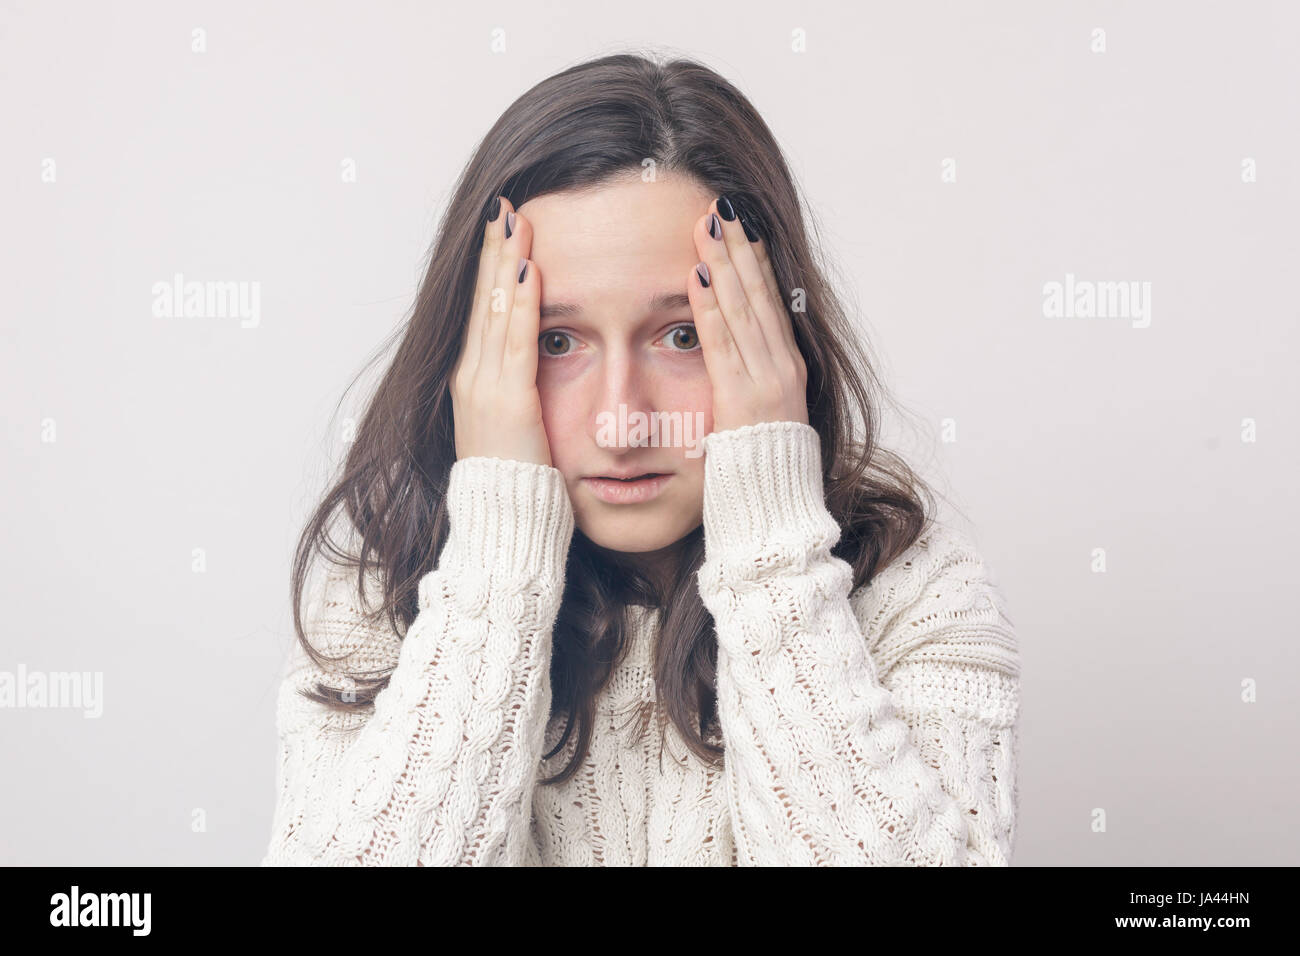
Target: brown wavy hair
x,y
578,129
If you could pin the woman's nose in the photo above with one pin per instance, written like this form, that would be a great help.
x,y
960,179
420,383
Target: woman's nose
x,y
624,390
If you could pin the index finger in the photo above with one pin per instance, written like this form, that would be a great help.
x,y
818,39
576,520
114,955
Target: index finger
x,y
489,253
758,247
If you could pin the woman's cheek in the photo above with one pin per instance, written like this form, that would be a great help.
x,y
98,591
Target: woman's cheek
x,y
699,399
558,416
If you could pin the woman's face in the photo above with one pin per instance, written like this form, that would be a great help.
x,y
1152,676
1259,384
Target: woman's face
x,y
618,354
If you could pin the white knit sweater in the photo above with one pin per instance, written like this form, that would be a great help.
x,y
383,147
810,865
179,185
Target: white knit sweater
x,y
877,727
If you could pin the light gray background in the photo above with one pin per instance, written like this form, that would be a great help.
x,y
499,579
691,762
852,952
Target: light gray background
x,y
1072,434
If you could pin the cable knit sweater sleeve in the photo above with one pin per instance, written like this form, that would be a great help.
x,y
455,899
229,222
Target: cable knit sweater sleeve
x,y
442,771
833,757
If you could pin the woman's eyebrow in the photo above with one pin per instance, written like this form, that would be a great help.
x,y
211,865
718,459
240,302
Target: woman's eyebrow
x,y
659,302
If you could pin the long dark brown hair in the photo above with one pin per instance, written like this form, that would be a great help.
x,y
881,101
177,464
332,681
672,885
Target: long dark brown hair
x,y
578,129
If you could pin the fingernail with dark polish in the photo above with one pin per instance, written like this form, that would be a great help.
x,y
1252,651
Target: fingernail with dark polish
x,y
494,209
702,271
715,227
523,268
510,224
725,209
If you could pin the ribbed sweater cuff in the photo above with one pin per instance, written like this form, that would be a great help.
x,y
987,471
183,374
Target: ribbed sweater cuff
x,y
508,519
763,493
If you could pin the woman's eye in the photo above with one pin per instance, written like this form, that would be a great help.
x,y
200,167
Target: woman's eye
x,y
684,335
557,339
555,344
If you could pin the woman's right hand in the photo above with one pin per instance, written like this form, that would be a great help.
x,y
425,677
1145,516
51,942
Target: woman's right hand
x,y
494,397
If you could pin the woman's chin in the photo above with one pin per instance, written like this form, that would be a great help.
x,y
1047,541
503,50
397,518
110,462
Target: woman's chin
x,y
632,535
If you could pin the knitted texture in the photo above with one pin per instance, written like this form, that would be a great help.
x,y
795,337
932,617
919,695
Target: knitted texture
x,y
869,728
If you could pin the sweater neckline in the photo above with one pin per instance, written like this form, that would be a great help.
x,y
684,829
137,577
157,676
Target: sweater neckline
x,y
640,620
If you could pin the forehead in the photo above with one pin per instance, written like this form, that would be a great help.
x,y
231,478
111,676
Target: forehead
x,y
617,243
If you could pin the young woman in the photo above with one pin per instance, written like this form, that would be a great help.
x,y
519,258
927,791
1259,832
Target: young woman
x,y
528,587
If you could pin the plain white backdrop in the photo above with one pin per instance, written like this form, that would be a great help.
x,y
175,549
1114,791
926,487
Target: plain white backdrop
x,y
956,158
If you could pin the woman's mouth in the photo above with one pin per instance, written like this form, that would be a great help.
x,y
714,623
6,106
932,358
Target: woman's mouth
x,y
619,491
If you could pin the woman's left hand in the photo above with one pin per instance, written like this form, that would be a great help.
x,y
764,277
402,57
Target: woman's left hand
x,y
745,331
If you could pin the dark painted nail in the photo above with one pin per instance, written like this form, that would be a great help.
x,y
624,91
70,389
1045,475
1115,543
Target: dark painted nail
x,y
715,227
510,224
702,271
750,234
494,209
523,268
725,209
